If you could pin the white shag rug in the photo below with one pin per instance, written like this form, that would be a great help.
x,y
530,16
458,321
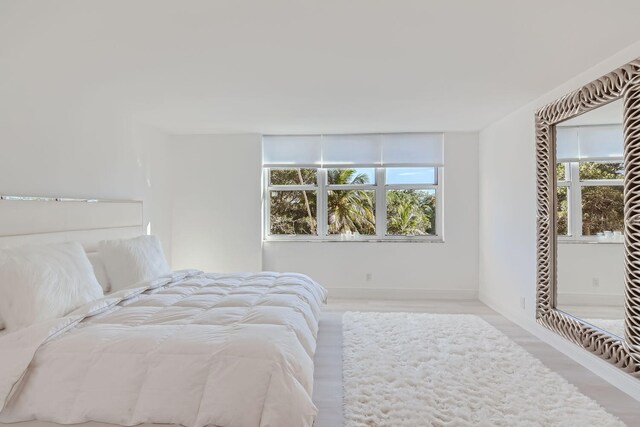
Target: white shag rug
x,y
414,369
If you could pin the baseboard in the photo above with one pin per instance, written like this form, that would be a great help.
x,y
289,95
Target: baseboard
x,y
596,300
402,294
602,368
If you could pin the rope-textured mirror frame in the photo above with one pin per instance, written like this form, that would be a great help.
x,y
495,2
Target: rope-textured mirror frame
x,y
621,83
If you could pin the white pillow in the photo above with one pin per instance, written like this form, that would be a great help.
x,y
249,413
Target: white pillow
x,y
43,282
100,271
129,261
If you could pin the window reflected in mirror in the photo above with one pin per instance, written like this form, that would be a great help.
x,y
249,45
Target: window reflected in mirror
x,y
590,217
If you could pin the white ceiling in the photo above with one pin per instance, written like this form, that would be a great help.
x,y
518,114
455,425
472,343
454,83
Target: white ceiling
x,y
299,66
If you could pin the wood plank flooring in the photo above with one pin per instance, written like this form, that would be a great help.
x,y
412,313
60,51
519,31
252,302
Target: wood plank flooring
x,y
327,393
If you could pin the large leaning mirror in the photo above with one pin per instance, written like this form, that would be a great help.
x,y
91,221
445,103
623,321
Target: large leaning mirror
x,y
588,189
590,217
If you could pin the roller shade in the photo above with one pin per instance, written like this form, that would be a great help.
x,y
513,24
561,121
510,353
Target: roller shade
x,y
283,151
361,150
413,149
351,150
589,143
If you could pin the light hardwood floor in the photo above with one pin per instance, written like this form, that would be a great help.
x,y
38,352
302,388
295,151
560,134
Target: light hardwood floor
x,y
327,393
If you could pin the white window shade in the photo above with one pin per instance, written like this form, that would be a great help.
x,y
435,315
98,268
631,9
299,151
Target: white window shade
x,y
413,149
601,142
359,150
286,151
352,150
567,146
589,143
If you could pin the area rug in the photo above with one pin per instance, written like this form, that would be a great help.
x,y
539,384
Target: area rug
x,y
415,369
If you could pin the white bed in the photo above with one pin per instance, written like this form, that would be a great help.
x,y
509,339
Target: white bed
x,y
188,348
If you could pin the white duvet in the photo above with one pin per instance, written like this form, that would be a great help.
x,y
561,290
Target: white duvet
x,y
191,348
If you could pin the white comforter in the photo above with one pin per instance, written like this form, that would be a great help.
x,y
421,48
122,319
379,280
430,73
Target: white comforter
x,y
194,349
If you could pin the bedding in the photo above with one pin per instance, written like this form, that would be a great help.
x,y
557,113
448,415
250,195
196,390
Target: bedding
x,y
42,282
130,261
188,348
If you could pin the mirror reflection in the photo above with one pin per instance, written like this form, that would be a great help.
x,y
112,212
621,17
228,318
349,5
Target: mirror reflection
x,y
590,217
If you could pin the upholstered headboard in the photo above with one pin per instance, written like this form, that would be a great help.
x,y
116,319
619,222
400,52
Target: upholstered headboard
x,y
26,220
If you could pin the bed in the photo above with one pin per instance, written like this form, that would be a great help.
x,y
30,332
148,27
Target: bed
x,y
186,347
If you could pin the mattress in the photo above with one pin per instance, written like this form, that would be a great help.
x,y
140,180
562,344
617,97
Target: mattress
x,y
191,348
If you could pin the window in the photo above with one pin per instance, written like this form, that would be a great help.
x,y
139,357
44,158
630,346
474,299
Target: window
x,y
356,202
589,172
345,190
351,201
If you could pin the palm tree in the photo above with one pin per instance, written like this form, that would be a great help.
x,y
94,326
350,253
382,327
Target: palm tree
x,y
293,211
310,216
350,210
409,212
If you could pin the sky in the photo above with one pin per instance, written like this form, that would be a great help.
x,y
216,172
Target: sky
x,y
403,175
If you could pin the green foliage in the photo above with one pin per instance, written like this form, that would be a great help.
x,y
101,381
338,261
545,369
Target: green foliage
x,y
602,209
602,205
346,177
561,172
411,212
350,210
593,170
295,176
563,212
289,214
293,212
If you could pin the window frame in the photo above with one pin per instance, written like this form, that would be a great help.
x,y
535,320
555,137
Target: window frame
x,y
380,187
574,186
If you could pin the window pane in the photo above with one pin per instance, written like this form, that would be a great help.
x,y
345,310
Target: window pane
x,y
353,176
411,212
351,211
411,176
293,212
594,170
563,211
293,176
602,209
561,172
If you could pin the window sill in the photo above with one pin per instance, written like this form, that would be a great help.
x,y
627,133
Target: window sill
x,y
590,242
401,240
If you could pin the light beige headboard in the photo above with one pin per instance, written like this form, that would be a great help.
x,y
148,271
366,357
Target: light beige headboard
x,y
25,220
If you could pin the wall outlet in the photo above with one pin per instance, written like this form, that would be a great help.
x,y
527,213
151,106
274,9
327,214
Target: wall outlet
x,y
523,302
369,276
595,282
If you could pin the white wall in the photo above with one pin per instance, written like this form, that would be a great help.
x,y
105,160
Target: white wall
x,y
402,270
217,217
64,134
508,197
508,215
217,199
591,274
56,146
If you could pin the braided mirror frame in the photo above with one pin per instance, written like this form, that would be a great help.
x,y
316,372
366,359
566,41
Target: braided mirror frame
x,y
621,83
